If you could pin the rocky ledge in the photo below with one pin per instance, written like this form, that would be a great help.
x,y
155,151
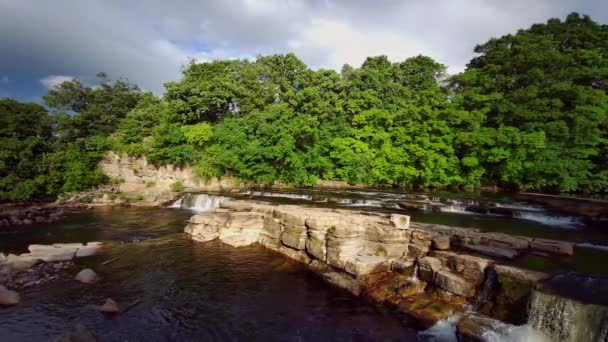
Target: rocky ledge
x,y
44,264
427,272
25,215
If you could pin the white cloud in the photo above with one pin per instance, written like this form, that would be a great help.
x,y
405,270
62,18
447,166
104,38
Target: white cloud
x,y
54,80
148,42
346,44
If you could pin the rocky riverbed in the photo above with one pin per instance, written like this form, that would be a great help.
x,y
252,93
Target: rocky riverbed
x,y
43,265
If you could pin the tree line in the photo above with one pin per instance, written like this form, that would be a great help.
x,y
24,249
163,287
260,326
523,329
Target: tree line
x,y
530,112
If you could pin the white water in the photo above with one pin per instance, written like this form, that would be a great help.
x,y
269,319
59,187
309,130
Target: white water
x,y
503,332
557,221
360,203
199,202
415,275
592,246
442,331
445,331
277,194
520,206
458,209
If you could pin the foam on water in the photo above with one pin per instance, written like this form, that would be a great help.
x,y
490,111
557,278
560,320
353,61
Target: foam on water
x,y
557,221
503,332
457,209
592,246
278,194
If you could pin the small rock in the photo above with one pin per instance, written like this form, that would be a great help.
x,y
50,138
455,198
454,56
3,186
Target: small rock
x,y
8,297
86,276
78,333
109,306
400,221
441,242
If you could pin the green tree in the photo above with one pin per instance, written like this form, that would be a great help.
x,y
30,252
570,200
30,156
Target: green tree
x,y
25,137
543,92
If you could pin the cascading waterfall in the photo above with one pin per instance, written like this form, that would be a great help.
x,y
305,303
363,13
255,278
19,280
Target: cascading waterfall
x,y
559,221
199,202
415,274
486,293
568,320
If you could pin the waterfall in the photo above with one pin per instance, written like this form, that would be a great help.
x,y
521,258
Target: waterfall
x,y
459,209
415,274
487,291
568,320
504,332
558,221
199,202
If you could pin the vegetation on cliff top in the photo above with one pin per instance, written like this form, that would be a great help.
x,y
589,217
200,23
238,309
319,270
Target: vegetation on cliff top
x,y
529,112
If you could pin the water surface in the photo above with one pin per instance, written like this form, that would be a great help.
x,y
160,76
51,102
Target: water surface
x,y
189,290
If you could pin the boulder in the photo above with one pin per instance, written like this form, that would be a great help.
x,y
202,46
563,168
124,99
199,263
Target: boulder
x,y
316,247
343,281
454,283
521,275
8,297
472,327
109,306
21,262
339,250
441,243
506,241
246,220
272,228
56,252
78,333
366,264
552,246
403,266
387,234
294,237
417,251
91,248
427,267
297,255
496,252
87,276
410,205
400,221
239,237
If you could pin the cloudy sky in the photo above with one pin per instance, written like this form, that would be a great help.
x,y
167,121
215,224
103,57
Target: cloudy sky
x,y
43,43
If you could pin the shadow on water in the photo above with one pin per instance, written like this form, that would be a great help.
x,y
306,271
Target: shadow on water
x,y
189,291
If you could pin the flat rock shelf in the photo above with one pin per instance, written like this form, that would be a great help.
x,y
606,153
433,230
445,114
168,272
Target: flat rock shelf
x,y
429,273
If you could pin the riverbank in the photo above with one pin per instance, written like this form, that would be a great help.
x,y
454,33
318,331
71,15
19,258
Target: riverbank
x,y
428,273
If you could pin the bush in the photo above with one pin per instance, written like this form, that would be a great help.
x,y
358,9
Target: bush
x,y
177,187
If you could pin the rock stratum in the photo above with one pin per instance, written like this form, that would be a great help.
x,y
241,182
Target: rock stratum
x,y
427,272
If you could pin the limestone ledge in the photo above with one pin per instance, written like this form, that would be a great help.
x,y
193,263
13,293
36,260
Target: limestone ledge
x,y
425,271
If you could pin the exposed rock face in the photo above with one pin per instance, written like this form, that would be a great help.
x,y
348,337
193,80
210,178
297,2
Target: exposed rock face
x,y
141,177
407,265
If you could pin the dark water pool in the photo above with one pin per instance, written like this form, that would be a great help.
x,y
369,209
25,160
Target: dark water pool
x,y
188,291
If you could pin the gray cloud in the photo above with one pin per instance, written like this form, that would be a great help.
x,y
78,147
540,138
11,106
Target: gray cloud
x,y
147,42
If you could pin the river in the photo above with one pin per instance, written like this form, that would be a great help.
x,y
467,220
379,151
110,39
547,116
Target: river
x,y
189,291
211,291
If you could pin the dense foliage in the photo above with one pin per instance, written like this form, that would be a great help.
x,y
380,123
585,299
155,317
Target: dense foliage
x,y
529,112
44,153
